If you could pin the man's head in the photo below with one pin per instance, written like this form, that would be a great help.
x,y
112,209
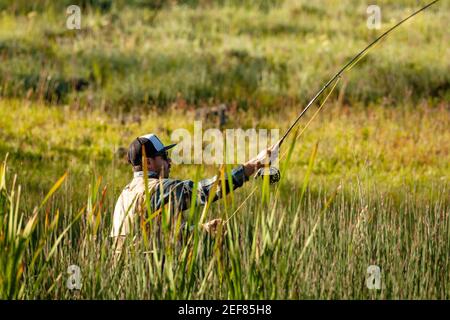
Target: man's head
x,y
157,158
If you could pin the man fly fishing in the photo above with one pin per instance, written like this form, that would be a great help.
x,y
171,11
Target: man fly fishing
x,y
163,190
131,202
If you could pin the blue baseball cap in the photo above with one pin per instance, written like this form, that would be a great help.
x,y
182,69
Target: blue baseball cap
x,y
152,145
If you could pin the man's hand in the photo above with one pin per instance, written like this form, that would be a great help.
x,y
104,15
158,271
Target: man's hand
x,y
264,158
212,226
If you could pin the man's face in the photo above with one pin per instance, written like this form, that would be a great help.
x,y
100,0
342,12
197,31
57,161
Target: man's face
x,y
161,165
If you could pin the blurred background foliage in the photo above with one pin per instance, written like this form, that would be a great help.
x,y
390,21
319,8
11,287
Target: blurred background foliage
x,y
263,54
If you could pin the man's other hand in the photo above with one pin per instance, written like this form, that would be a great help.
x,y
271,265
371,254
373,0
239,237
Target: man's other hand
x,y
212,226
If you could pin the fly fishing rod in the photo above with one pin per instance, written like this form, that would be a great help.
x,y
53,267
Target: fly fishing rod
x,y
274,173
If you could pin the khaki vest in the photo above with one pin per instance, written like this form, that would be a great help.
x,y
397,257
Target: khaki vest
x,y
131,202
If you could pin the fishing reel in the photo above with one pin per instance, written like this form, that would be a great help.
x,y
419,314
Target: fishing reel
x,y
273,173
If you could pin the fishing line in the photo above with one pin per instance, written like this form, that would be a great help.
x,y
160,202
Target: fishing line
x,y
334,80
350,64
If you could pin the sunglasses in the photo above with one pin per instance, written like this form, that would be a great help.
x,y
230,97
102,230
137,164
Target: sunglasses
x,y
164,154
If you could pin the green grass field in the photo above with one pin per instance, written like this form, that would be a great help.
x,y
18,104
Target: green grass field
x,y
366,184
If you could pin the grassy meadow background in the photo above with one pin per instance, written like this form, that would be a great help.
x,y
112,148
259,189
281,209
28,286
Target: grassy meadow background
x,y
71,100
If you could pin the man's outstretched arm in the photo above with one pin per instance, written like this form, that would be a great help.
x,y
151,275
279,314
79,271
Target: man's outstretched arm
x,y
180,192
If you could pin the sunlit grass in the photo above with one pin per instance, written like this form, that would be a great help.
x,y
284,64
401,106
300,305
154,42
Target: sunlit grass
x,y
392,210
366,184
